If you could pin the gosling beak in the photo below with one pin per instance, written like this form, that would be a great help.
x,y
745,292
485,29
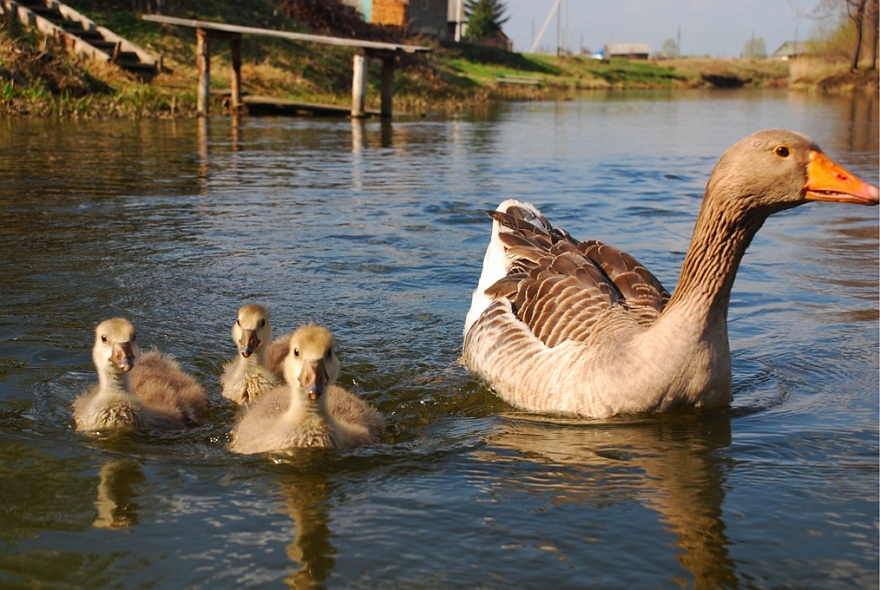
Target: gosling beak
x,y
828,181
123,356
313,378
248,342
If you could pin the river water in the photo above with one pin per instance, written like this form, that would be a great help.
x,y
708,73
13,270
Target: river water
x,y
375,229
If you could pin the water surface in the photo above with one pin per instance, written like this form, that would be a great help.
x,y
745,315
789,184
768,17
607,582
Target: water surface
x,y
376,230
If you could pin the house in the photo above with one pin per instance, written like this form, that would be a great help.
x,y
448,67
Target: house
x,y
428,17
627,51
791,50
419,17
389,13
497,39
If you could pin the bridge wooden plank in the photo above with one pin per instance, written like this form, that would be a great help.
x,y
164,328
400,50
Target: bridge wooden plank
x,y
339,41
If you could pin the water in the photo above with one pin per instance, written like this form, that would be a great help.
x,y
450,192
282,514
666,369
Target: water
x,y
376,231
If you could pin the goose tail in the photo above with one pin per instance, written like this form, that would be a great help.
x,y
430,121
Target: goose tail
x,y
496,263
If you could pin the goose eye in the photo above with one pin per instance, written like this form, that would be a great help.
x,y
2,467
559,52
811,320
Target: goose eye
x,y
238,323
329,353
262,323
782,151
133,337
103,337
295,352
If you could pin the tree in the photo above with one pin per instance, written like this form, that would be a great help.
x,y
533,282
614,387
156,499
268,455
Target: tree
x,y
755,48
859,33
670,49
855,9
873,29
485,17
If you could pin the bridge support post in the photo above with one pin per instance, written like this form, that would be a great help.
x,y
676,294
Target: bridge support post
x,y
359,85
387,81
235,46
203,61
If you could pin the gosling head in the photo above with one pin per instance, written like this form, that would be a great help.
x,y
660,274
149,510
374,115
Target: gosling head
x,y
312,363
115,345
251,329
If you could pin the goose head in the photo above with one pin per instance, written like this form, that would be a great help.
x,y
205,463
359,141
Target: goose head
x,y
312,365
115,346
776,169
251,329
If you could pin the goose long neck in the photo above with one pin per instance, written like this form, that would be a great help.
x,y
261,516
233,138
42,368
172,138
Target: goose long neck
x,y
721,236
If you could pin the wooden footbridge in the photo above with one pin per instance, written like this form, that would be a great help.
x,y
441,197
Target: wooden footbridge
x,y
207,30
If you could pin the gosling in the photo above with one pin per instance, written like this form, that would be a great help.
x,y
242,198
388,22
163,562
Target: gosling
x,y
136,390
248,377
301,413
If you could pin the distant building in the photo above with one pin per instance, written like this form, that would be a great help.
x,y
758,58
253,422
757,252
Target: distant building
x,y
497,39
791,50
627,51
435,18
389,13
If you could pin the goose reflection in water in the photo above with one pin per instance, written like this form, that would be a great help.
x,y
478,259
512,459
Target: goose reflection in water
x,y
669,464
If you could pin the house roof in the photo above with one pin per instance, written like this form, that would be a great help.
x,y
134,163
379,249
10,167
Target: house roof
x,y
792,48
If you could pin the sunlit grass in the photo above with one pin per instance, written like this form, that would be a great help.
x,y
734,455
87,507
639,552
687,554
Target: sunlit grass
x,y
37,78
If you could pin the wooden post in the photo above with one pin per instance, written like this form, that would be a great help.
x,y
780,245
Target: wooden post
x,y
203,61
359,85
235,46
387,78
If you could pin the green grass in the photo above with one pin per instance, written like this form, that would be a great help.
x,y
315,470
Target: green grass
x,y
38,78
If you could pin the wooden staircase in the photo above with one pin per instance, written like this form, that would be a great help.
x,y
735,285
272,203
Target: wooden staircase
x,y
81,35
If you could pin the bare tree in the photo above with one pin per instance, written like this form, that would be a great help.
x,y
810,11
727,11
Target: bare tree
x,y
862,29
873,19
855,9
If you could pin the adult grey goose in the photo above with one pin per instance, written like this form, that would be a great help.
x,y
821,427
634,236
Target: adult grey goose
x,y
562,326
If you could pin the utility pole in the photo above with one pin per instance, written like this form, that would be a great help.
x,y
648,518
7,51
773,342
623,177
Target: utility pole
x,y
544,27
558,25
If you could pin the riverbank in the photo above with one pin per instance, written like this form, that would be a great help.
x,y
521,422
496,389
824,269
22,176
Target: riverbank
x,y
38,78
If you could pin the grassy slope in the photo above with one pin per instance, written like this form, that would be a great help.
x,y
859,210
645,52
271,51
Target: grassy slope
x,y
39,79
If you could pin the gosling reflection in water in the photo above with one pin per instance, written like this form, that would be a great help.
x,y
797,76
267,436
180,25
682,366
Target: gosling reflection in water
x,y
668,463
306,499
116,493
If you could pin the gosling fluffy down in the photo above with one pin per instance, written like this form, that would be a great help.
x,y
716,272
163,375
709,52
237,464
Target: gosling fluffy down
x,y
248,377
309,410
136,390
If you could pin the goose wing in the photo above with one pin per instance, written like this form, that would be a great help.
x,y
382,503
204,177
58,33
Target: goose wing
x,y
559,287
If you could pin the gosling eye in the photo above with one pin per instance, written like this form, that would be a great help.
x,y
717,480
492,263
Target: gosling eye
x,y
133,337
295,352
103,337
782,151
329,353
238,323
262,322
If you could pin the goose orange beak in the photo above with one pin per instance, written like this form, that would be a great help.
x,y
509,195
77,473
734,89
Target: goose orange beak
x,y
828,181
